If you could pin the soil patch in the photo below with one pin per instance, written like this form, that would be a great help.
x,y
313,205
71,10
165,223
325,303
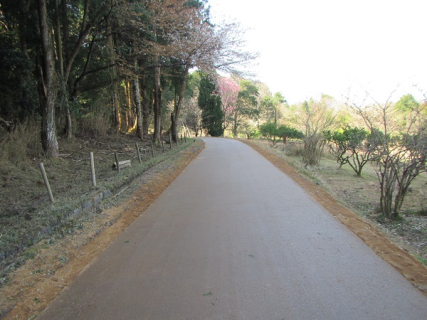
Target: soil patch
x,y
401,260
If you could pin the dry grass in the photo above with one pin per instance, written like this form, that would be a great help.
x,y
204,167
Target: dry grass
x,y
26,214
56,261
361,195
21,144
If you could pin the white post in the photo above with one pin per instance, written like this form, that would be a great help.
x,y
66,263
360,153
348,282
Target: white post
x,y
92,168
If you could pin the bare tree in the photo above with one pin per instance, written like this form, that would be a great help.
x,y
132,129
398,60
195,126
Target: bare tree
x,y
193,115
229,92
138,105
401,150
206,47
315,117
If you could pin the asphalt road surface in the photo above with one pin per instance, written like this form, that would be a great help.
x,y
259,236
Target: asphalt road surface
x,y
234,238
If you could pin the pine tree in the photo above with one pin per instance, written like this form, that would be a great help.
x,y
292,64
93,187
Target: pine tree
x,y
210,103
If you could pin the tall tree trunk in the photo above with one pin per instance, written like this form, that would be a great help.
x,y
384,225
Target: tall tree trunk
x,y
235,120
66,28
157,101
137,99
114,93
174,132
126,112
46,75
146,105
177,107
64,106
116,109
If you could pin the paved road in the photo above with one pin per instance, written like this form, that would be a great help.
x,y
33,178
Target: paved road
x,y
234,238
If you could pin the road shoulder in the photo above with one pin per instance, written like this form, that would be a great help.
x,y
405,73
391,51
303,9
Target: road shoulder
x,y
408,266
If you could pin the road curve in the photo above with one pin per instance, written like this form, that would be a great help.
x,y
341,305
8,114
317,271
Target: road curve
x,y
234,238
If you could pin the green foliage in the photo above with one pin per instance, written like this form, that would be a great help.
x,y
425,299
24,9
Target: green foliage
x,y
271,131
251,131
268,130
97,45
352,146
193,84
348,138
291,133
272,104
422,260
210,103
407,111
407,103
247,99
246,105
18,96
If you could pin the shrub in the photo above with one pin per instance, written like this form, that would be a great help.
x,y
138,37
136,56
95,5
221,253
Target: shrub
x,y
271,131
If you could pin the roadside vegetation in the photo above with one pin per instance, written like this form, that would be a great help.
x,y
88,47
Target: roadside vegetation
x,y
361,194
98,76
371,157
27,214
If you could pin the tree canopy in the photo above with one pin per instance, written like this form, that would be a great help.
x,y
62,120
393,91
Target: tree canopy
x,y
121,54
210,103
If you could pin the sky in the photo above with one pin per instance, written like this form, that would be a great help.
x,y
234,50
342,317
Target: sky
x,y
341,48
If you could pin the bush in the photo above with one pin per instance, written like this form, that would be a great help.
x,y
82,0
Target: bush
x,y
313,149
294,149
291,133
271,131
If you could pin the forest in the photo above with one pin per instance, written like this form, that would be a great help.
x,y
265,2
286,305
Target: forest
x,y
107,66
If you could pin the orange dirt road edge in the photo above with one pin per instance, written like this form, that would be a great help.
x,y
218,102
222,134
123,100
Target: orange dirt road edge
x,y
412,269
32,291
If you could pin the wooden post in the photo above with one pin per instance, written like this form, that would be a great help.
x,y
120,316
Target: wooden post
x,y
92,169
46,182
137,152
185,137
170,140
117,162
163,146
152,150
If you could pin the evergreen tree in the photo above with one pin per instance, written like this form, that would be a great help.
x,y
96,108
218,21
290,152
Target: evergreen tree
x,y
210,103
